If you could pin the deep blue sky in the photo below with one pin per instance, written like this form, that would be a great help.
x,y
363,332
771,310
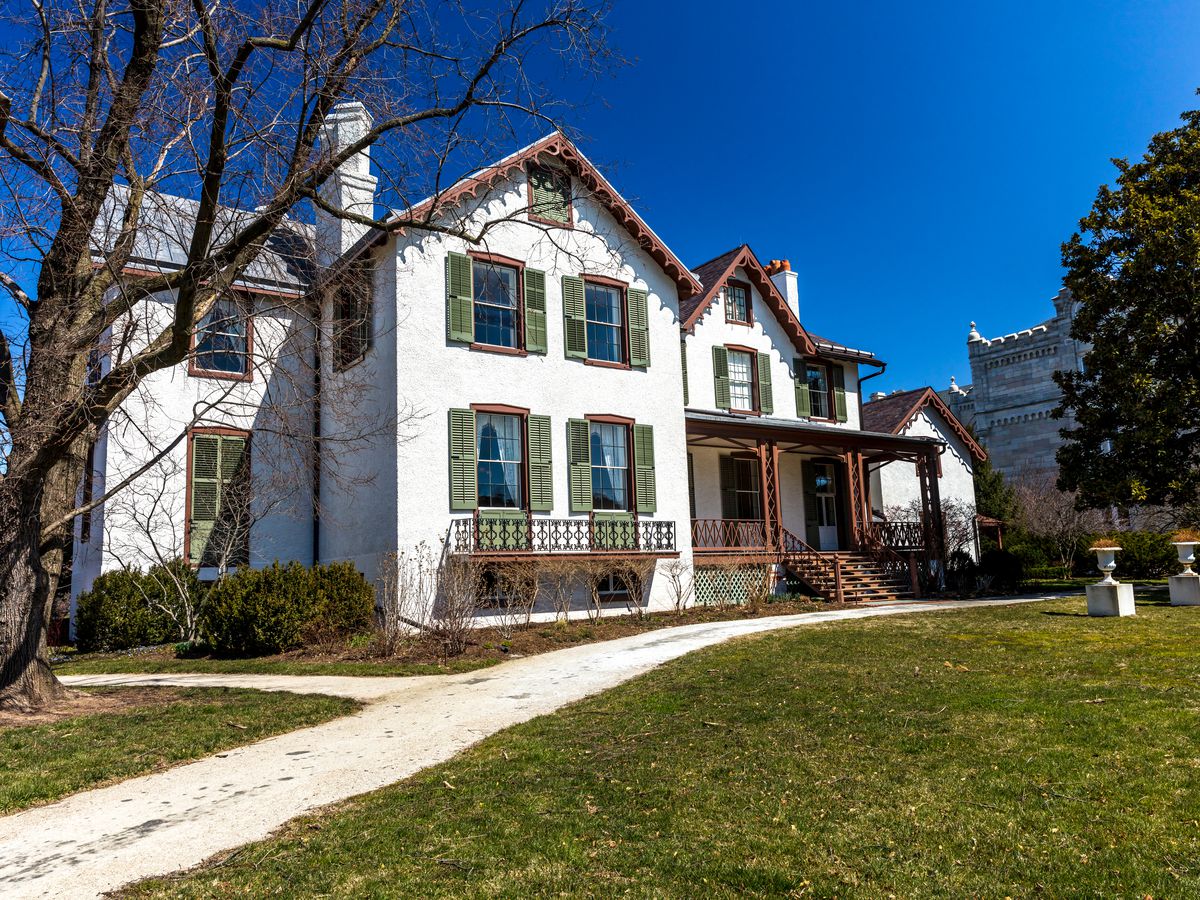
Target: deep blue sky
x,y
918,163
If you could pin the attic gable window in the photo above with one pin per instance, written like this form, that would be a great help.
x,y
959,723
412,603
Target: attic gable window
x,y
549,195
353,316
737,303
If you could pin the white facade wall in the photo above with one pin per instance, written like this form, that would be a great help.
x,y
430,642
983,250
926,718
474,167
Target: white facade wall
x,y
765,335
434,375
145,522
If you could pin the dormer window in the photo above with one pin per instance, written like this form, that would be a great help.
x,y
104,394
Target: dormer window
x,y
737,303
549,195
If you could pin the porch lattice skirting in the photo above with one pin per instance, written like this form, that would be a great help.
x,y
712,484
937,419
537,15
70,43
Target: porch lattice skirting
x,y
714,585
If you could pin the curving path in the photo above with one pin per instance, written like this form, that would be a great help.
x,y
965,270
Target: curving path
x,y
98,840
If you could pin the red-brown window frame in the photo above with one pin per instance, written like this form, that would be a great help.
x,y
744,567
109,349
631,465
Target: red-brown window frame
x,y
187,493
630,485
521,412
745,286
623,287
507,262
246,303
757,411
533,217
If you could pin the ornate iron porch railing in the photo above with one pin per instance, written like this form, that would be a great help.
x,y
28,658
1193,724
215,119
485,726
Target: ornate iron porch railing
x,y
518,533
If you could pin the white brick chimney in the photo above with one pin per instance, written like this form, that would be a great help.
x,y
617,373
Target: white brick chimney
x,y
786,281
351,187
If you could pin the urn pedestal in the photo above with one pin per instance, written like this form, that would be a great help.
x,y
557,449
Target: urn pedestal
x,y
1185,587
1110,599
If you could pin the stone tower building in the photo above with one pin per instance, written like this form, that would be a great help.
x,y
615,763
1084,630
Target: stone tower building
x,y
1012,391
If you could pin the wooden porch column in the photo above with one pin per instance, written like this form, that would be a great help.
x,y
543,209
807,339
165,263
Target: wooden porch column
x,y
938,548
860,514
768,468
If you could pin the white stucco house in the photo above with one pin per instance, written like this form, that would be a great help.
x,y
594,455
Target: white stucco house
x,y
895,487
564,386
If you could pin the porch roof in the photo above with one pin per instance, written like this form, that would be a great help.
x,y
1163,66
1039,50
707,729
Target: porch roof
x,y
794,435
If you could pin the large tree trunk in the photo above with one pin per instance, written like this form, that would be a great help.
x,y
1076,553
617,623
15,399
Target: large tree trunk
x,y
26,681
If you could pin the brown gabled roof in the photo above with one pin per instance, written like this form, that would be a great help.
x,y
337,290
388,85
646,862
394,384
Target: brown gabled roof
x,y
893,413
558,147
716,272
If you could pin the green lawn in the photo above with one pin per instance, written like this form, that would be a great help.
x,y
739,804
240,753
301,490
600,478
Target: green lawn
x,y
40,763
989,753
161,664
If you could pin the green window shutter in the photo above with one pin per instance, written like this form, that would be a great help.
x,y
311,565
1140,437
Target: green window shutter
x,y
550,193
579,460
636,311
692,485
460,298
808,476
683,359
574,316
728,479
535,311
503,529
766,401
643,461
464,487
803,398
613,530
721,376
206,493
839,392
541,472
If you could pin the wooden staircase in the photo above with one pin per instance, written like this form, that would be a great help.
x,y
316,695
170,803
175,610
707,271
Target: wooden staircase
x,y
859,575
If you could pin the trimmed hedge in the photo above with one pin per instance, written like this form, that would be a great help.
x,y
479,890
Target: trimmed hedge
x,y
124,609
255,612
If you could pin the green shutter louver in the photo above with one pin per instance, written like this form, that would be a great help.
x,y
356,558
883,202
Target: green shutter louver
x,y
613,530
219,511
541,471
503,529
460,298
643,461
721,376
839,393
766,401
550,194
683,360
574,317
803,398
637,311
464,488
535,311
579,464
728,482
206,493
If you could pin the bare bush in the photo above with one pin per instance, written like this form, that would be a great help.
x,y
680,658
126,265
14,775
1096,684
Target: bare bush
x,y
1053,515
637,574
560,577
460,584
595,572
404,596
680,583
517,586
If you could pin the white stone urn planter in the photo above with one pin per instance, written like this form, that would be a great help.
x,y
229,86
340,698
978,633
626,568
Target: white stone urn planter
x,y
1185,587
1108,597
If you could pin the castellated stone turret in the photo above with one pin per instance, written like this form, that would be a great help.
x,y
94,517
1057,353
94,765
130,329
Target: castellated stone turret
x,y
1012,391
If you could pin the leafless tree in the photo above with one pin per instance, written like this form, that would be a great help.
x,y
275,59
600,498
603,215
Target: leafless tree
x,y
405,594
107,107
1049,513
958,521
518,584
460,585
636,573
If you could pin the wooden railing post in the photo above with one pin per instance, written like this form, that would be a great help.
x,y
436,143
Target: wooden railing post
x,y
913,579
837,581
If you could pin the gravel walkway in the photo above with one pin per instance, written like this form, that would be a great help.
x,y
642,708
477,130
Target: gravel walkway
x,y
98,840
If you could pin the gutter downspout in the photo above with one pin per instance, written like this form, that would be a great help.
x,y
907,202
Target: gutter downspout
x,y
882,369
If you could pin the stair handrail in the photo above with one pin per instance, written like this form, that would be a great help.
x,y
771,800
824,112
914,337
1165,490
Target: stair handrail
x,y
793,548
871,542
